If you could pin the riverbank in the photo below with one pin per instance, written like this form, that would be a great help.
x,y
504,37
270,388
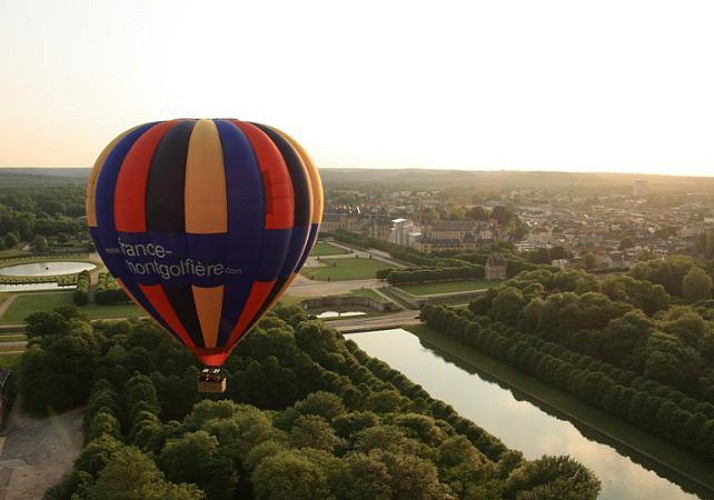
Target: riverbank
x,y
655,453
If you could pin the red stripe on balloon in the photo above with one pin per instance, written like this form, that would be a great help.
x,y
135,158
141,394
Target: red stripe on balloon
x,y
130,194
259,292
157,297
277,185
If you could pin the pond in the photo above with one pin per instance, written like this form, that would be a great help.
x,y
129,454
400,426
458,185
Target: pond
x,y
34,287
339,314
519,423
48,268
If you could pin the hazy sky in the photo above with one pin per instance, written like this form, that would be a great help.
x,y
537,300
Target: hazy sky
x,y
549,85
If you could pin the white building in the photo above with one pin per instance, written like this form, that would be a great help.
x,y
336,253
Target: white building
x,y
400,231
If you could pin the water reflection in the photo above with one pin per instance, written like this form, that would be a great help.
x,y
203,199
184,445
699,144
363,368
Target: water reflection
x,y
519,423
339,314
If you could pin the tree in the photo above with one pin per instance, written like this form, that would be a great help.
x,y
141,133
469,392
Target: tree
x,y
552,477
697,285
42,324
196,458
131,475
589,260
289,474
364,478
312,431
507,305
41,244
11,240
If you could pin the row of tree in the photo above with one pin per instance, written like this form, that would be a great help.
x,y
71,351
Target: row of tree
x,y
398,277
628,322
397,251
108,291
80,297
306,415
660,409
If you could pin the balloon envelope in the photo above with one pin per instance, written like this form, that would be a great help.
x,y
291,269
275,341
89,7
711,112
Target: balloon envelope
x,y
204,223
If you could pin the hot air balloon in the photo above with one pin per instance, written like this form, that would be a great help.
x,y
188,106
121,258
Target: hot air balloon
x,y
204,223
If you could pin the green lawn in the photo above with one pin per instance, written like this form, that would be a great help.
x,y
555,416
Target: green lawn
x,y
323,248
369,293
10,360
345,269
29,303
12,337
449,287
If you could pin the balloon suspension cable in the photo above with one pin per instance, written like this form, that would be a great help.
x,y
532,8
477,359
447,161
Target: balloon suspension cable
x,y
212,380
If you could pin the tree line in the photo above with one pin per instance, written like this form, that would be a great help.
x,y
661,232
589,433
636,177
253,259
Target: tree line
x,y
30,211
306,415
653,372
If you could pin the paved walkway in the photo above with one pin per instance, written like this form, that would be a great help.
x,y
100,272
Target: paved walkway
x,y
381,322
6,304
36,453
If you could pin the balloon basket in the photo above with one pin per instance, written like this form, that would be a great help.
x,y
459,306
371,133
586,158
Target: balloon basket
x,y
212,380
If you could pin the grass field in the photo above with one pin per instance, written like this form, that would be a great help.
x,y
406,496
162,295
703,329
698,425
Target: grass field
x,y
345,269
322,248
553,398
449,287
369,293
10,360
29,303
12,337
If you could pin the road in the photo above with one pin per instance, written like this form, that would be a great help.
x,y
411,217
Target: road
x,y
36,453
381,322
303,287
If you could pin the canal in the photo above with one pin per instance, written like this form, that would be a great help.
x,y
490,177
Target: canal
x,y
518,422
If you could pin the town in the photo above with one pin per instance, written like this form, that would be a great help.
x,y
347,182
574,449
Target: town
x,y
569,231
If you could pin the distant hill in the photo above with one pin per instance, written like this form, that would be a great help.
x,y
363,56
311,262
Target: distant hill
x,y
27,176
412,178
505,180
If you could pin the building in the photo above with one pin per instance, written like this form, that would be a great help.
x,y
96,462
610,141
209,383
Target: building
x,y
639,188
400,231
457,234
496,267
379,227
332,221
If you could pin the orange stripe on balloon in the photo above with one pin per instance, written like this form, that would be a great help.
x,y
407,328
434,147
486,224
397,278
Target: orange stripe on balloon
x,y
277,185
282,291
206,202
130,191
94,175
209,302
258,293
157,297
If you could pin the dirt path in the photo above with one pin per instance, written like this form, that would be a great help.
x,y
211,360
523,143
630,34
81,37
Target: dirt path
x,y
6,304
36,453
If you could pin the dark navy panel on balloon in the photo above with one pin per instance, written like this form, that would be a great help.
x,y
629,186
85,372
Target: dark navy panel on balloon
x,y
235,295
311,239
275,250
154,258
181,300
246,220
167,179
297,246
246,208
205,260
